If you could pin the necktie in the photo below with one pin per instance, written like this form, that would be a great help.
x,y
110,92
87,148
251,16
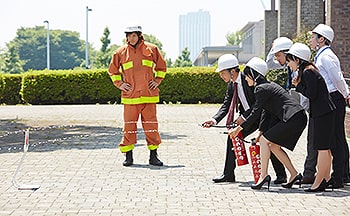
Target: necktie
x,y
233,105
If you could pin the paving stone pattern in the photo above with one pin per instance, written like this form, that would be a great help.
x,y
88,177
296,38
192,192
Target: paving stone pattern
x,y
74,157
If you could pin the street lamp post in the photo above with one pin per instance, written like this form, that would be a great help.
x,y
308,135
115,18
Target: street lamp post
x,y
47,45
87,41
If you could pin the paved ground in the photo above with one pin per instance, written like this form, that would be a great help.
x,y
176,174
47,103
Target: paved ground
x,y
73,156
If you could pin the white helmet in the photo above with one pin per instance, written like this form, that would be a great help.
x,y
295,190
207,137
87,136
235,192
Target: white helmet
x,y
324,30
301,51
280,44
227,61
258,65
133,27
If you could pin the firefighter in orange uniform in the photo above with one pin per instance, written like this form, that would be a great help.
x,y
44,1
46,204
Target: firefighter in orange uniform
x,y
137,69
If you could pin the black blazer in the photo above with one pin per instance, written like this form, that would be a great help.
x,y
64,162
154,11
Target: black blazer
x,y
271,101
249,94
313,86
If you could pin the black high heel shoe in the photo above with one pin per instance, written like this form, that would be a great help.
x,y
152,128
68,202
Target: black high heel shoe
x,y
296,179
330,183
259,186
323,185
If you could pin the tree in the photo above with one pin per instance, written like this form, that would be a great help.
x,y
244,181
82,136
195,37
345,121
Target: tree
x,y
183,60
234,38
154,40
105,40
2,59
66,49
104,56
11,61
169,63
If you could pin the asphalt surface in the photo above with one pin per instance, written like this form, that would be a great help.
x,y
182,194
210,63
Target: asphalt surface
x,y
74,157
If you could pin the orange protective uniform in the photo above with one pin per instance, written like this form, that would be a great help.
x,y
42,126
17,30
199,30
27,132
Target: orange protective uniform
x,y
138,66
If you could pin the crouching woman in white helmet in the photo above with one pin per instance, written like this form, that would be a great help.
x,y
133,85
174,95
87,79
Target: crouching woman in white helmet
x,y
272,101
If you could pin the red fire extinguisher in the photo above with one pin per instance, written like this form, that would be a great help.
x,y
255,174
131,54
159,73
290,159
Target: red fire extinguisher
x,y
239,149
254,150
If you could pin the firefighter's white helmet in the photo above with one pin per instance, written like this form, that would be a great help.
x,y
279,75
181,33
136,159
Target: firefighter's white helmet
x,y
324,30
227,61
133,27
280,44
258,65
301,51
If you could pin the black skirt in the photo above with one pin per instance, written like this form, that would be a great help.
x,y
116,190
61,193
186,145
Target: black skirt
x,y
323,131
287,134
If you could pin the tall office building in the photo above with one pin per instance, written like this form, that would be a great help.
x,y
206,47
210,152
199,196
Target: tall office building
x,y
194,32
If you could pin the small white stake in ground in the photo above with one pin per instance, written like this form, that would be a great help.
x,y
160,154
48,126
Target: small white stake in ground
x,y
25,149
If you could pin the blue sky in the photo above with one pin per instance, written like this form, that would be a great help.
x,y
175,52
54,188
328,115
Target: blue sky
x,y
158,17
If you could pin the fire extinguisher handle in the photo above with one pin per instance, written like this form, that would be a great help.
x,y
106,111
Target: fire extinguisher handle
x,y
253,141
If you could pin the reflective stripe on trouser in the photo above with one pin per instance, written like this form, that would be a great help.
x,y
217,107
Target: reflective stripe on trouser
x,y
149,124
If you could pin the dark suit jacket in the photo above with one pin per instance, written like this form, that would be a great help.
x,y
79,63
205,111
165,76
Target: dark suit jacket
x,y
313,86
249,94
271,101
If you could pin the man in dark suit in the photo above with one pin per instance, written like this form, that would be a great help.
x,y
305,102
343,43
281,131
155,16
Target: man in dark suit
x,y
228,67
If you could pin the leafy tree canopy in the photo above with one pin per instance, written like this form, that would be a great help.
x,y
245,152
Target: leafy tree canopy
x,y
104,56
183,60
234,38
66,49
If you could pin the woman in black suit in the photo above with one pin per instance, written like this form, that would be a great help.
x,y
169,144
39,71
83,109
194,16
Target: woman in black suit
x,y
272,101
310,83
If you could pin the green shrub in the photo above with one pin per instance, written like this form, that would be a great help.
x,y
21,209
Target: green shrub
x,y
2,86
68,87
192,85
12,87
279,76
181,85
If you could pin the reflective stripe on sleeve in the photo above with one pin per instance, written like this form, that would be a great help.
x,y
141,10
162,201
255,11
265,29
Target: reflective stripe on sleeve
x,y
160,74
116,78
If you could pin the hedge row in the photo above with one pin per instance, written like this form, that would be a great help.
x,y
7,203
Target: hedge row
x,y
2,86
10,93
184,85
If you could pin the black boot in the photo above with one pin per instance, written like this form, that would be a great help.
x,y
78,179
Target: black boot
x,y
128,160
153,159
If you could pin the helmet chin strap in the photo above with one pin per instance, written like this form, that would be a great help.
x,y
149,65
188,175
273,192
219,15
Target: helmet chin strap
x,y
254,78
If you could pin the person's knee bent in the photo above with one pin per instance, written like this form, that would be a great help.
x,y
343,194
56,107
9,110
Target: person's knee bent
x,y
264,141
273,147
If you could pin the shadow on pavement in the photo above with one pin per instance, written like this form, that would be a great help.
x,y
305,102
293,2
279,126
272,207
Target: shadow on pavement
x,y
57,137
343,192
164,167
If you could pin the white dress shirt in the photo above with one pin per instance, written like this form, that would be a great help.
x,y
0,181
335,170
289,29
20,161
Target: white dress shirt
x,y
241,95
329,66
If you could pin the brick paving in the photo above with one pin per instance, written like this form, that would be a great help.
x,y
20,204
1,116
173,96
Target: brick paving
x,y
74,157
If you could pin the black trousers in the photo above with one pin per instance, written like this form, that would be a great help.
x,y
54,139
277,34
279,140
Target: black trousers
x,y
311,157
340,146
230,162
